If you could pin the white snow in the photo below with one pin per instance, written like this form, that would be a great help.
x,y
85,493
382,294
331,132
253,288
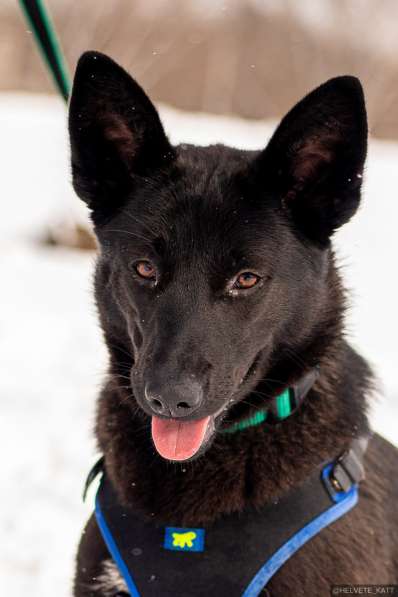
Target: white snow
x,y
52,354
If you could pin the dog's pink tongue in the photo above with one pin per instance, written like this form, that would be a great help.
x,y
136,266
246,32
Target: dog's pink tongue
x,y
177,440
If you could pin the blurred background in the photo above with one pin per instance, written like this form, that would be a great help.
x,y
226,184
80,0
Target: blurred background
x,y
251,58
219,71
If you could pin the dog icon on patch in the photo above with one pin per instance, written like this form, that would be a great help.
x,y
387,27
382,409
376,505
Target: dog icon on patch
x,y
184,539
180,539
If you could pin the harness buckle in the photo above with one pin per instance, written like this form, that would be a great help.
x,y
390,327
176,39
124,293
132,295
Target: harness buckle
x,y
348,470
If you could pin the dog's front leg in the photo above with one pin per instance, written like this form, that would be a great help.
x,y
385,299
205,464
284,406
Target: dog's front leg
x,y
96,574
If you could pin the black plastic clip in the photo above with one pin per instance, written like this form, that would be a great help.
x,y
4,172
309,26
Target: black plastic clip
x,y
347,470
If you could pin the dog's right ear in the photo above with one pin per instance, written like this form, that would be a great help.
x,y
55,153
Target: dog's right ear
x,y
115,133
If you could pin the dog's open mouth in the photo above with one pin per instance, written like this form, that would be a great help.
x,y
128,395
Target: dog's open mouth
x,y
180,440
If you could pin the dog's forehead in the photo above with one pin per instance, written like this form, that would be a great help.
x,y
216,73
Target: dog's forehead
x,y
201,210
212,163
204,180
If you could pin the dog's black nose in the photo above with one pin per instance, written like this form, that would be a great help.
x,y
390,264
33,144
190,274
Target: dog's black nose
x,y
178,399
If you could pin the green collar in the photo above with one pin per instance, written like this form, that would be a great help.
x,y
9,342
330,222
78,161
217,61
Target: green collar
x,y
281,407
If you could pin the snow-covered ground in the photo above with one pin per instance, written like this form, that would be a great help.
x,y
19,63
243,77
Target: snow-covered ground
x,y
51,353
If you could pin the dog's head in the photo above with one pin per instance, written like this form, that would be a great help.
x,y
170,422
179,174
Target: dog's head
x,y
211,258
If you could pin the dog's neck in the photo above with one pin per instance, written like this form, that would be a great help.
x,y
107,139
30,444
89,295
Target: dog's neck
x,y
251,467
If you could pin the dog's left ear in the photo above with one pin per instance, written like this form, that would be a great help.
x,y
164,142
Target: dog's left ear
x,y
115,133
314,161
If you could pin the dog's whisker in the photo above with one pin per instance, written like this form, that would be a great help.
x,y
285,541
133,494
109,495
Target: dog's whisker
x,y
118,376
120,349
137,220
295,357
271,380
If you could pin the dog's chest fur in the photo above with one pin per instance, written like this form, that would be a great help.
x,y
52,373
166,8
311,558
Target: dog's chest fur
x,y
109,582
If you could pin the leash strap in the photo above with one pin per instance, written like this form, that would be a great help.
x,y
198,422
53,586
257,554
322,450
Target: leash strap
x,y
47,41
260,540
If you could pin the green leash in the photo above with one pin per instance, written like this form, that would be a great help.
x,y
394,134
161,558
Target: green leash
x,y
39,20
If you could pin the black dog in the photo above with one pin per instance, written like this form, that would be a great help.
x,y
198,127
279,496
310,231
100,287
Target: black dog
x,y
217,290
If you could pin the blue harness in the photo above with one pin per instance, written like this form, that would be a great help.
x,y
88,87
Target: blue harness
x,y
239,553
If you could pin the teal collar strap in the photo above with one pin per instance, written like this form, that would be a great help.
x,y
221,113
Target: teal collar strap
x,y
281,407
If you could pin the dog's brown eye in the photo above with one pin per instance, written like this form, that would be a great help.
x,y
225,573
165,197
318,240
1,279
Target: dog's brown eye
x,y
246,280
145,269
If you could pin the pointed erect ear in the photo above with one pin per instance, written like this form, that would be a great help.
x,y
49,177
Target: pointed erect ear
x,y
115,133
314,161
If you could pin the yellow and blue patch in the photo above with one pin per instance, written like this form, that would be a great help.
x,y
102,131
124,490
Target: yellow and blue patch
x,y
183,539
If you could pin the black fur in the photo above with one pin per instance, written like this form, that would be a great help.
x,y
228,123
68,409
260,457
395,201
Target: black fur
x,y
202,215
